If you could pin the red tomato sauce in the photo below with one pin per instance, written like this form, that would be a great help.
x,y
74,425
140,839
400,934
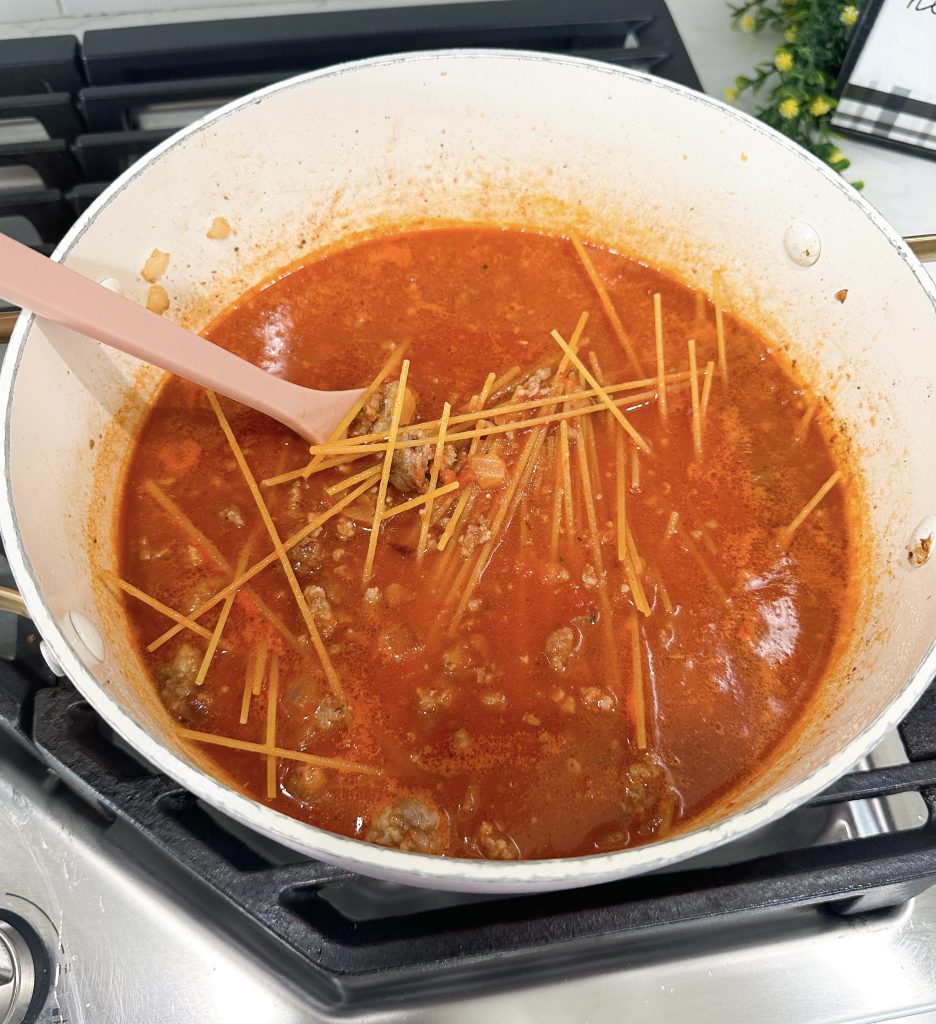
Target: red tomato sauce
x,y
511,729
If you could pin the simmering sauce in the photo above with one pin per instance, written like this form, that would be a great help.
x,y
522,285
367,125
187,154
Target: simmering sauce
x,y
532,690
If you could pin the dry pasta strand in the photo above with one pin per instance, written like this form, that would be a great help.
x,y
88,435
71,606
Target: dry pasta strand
x,y
552,458
385,474
606,303
186,525
503,428
610,645
184,621
707,374
509,501
635,470
222,619
330,674
346,421
802,428
420,499
259,667
671,525
620,466
258,567
565,458
640,711
694,388
636,564
371,473
602,394
507,377
787,535
701,561
248,688
272,699
664,597
719,324
660,362
463,498
433,480
278,752
363,444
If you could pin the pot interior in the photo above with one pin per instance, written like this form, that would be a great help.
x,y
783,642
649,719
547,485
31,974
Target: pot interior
x,y
550,143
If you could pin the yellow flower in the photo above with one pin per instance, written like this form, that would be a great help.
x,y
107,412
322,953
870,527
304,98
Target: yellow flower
x,y
783,60
835,156
849,15
820,105
731,93
790,35
789,108
746,24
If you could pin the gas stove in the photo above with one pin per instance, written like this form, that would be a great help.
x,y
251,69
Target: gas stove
x,y
123,898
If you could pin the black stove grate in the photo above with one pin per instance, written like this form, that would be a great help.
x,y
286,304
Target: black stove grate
x,y
96,107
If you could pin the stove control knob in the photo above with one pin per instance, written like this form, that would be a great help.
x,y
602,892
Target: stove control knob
x,y
17,975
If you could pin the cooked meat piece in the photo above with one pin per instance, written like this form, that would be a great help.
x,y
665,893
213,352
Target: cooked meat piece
x,y
306,556
332,713
321,609
346,528
532,385
399,642
429,700
232,514
456,660
494,844
376,414
474,534
645,782
597,700
410,824
305,782
560,645
177,684
409,470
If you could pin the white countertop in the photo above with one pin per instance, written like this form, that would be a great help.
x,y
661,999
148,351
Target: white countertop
x,y
901,186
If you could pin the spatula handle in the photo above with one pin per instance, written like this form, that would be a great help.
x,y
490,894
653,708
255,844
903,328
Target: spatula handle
x,y
51,290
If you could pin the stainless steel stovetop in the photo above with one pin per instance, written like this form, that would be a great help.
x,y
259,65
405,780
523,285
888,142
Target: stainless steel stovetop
x,y
128,947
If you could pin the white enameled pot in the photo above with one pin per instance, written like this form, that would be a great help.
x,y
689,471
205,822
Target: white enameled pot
x,y
652,168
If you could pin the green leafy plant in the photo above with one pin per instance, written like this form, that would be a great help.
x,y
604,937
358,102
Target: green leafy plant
x,y
796,87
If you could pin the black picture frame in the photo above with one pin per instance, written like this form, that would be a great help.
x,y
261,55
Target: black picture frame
x,y
885,106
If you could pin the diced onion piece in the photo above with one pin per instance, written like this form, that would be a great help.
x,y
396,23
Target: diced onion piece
x,y
157,299
488,470
155,266
220,228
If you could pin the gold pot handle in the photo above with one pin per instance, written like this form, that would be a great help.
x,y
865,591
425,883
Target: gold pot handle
x,y
923,247
10,601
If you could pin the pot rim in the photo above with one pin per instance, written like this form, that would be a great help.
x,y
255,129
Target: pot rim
x,y
355,854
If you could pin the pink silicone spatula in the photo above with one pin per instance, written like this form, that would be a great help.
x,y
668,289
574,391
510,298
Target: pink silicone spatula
x,y
50,290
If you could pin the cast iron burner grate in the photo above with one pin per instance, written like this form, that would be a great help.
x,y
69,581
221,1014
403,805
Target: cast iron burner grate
x,y
306,917
77,115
